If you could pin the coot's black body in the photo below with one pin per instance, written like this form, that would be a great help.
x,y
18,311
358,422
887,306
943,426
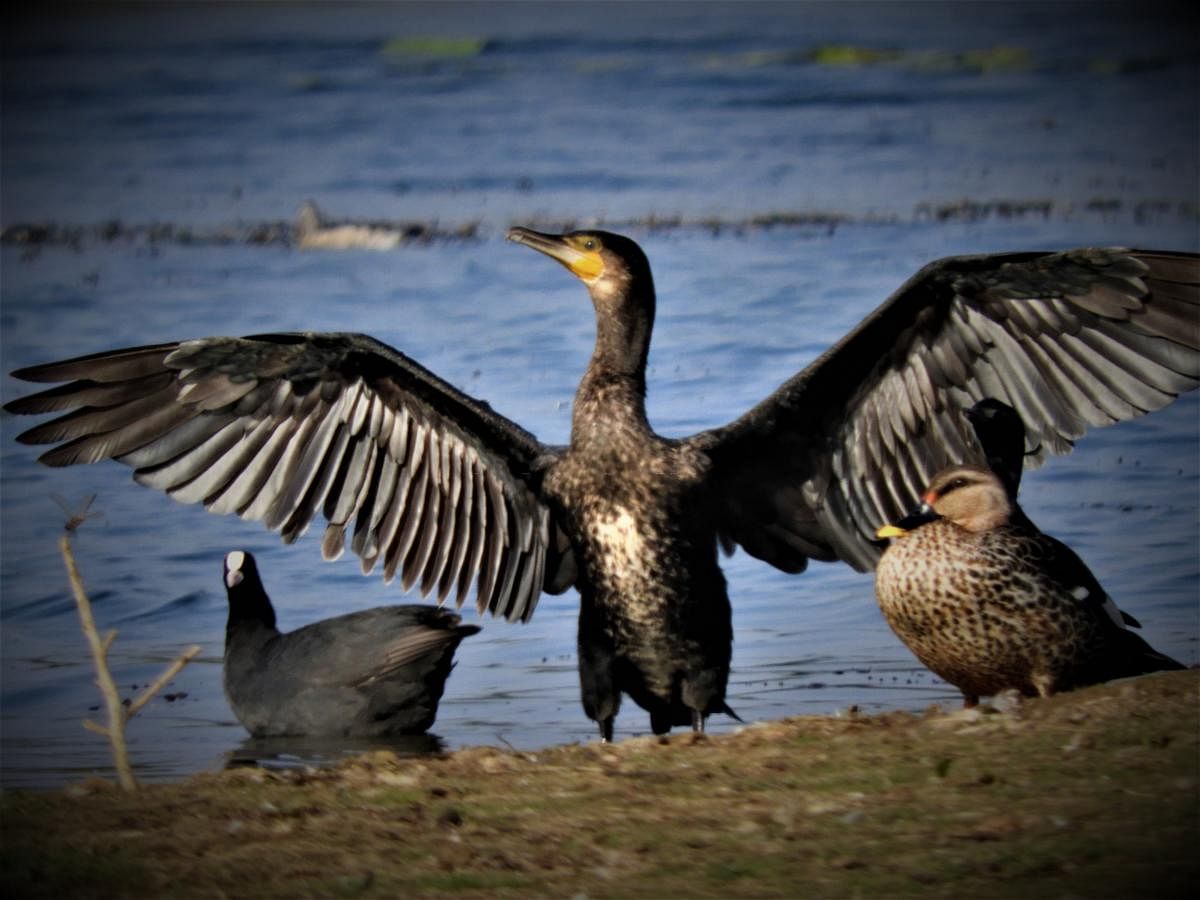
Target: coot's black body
x,y
372,673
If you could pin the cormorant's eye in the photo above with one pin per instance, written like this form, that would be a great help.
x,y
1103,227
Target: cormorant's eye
x,y
590,244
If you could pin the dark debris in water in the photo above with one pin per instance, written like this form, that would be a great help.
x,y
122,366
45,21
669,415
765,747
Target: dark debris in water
x,y
261,234
311,230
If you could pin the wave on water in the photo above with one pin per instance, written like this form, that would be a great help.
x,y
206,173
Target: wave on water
x,y
171,608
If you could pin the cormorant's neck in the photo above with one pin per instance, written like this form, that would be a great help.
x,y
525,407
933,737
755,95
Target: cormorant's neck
x,y
624,321
613,389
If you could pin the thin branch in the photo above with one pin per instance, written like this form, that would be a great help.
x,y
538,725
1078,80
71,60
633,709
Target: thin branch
x,y
170,672
118,715
104,679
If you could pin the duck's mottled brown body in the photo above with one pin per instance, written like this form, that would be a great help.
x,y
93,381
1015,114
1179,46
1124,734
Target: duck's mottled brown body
x,y
991,604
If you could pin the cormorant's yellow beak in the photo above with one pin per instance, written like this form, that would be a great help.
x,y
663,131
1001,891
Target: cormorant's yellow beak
x,y
890,531
578,252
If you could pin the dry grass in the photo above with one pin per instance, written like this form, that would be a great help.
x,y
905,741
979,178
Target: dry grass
x,y
1092,794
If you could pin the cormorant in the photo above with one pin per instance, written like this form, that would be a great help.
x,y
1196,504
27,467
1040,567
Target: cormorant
x,y
436,486
990,603
1001,436
371,673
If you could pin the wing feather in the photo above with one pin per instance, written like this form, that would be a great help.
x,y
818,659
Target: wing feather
x,y
284,428
1069,340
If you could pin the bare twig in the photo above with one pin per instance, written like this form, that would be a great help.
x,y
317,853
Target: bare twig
x,y
161,682
118,715
104,680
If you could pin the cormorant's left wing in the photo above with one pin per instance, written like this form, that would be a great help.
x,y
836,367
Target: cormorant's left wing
x,y
432,484
1069,340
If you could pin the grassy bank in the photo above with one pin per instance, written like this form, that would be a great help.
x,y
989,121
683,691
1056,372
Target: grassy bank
x,y
1091,794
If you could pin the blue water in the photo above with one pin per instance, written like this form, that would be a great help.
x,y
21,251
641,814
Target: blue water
x,y
219,117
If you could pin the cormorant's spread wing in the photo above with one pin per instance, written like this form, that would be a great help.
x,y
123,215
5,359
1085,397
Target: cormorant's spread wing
x,y
1069,340
432,483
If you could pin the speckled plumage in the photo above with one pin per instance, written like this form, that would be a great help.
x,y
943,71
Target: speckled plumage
x,y
654,618
991,604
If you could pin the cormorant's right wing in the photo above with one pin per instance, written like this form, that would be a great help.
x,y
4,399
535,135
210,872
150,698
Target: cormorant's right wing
x,y
1069,340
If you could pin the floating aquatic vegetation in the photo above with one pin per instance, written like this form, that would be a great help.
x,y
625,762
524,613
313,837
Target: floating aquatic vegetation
x,y
987,59
982,60
433,46
850,55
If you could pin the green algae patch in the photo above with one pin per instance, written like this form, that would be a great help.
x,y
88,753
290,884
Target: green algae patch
x,y
983,60
433,47
849,55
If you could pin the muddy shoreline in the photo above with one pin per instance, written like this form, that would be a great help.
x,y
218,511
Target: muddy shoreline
x,y
1089,794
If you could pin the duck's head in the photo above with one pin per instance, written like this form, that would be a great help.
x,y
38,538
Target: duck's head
x,y
971,497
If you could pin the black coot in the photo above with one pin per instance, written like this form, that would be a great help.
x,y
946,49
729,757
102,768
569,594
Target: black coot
x,y
376,672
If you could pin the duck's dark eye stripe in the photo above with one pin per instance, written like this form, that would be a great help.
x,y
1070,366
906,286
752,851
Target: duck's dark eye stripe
x,y
953,485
